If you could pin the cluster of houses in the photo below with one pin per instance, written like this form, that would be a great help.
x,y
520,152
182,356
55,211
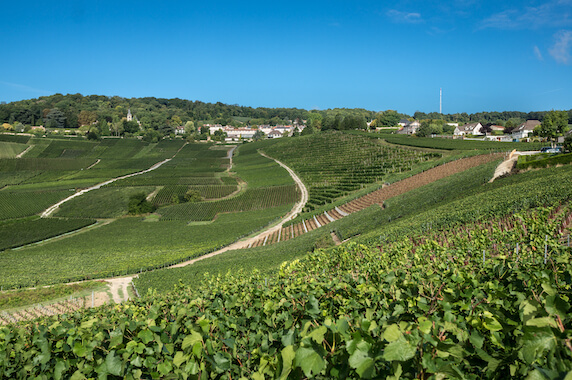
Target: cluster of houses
x,y
521,132
245,133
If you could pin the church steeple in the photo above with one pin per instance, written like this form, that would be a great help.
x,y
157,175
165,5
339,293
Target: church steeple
x,y
129,115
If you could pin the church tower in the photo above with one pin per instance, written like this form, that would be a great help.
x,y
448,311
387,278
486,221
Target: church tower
x,y
129,116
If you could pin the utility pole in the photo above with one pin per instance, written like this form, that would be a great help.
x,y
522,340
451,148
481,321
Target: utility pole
x,y
440,101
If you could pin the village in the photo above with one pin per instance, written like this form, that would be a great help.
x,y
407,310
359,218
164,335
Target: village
x,y
524,132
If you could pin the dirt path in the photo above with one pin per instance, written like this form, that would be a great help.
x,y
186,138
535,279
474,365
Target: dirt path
x,y
335,238
95,163
118,287
300,205
507,165
24,152
53,208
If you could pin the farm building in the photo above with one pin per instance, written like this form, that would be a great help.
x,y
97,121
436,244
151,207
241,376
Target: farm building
x,y
525,129
469,129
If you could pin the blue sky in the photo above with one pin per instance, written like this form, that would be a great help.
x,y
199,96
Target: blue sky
x,y
378,55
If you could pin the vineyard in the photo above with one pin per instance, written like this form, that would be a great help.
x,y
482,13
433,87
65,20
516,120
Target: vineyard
x,y
454,278
10,150
303,224
346,163
452,144
57,308
108,251
459,198
26,231
174,193
122,245
101,203
19,139
484,300
19,204
250,200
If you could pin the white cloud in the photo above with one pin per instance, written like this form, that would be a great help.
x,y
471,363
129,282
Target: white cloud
x,y
404,17
560,51
538,54
555,13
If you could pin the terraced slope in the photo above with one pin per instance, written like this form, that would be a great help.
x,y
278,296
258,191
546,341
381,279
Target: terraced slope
x,y
375,197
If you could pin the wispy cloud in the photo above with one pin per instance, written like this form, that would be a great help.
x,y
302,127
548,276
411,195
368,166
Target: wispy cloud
x,y
25,88
555,13
560,51
404,17
538,54
550,91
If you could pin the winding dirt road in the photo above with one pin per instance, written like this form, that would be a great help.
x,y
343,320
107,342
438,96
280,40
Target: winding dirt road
x,y
53,208
269,231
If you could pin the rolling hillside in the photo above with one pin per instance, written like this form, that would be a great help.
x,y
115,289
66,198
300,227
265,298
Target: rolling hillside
x,y
457,278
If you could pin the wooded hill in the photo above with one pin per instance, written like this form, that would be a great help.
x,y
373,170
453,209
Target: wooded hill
x,y
75,110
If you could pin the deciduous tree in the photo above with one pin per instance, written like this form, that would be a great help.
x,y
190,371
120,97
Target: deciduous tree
x,y
554,124
55,119
86,118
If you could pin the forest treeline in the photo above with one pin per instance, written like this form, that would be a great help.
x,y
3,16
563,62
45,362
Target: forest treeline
x,y
163,115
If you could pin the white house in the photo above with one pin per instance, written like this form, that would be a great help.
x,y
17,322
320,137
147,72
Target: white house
x,y
525,129
286,130
410,128
469,129
403,123
214,128
274,134
237,133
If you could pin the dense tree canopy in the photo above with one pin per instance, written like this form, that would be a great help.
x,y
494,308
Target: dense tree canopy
x,y
158,116
388,118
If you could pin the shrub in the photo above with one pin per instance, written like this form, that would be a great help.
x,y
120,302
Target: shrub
x,y
138,204
193,196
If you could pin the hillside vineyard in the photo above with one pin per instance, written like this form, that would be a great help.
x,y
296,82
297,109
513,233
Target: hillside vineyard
x,y
404,263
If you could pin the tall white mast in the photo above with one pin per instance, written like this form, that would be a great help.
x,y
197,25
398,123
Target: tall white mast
x,y
440,100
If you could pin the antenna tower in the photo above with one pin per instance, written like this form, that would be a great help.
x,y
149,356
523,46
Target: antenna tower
x,y
440,100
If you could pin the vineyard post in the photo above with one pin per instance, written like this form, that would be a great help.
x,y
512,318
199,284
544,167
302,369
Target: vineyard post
x,y
93,298
545,248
